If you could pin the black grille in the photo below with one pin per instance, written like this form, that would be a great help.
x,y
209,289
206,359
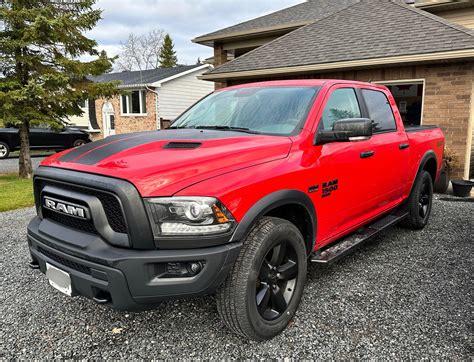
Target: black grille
x,y
112,208
75,223
66,262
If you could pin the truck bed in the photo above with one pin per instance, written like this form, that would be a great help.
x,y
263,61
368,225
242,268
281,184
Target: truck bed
x,y
423,140
409,129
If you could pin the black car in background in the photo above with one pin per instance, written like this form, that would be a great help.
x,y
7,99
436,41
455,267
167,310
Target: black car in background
x,y
42,139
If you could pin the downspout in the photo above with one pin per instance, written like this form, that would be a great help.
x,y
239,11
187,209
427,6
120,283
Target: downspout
x,y
470,129
158,123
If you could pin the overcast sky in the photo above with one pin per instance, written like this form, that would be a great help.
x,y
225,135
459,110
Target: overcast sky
x,y
183,19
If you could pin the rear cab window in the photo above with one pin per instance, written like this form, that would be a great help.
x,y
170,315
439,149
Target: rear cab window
x,y
380,111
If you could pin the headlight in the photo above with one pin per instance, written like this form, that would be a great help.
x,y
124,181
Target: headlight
x,y
188,216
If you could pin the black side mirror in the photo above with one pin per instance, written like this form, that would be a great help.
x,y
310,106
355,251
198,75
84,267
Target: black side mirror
x,y
344,130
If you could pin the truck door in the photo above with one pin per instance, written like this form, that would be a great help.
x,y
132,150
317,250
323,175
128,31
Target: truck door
x,y
391,150
39,137
343,172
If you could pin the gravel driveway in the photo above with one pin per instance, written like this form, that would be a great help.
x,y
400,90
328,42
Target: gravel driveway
x,y
10,165
405,295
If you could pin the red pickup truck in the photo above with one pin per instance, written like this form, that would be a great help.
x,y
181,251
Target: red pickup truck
x,y
245,188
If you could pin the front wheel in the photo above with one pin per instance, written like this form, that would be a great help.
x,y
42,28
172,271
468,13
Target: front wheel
x,y
4,150
264,288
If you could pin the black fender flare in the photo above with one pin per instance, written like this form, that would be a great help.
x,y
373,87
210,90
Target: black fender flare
x,y
424,160
272,201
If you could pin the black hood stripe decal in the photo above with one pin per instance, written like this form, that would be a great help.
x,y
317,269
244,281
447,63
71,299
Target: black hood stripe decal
x,y
80,151
110,146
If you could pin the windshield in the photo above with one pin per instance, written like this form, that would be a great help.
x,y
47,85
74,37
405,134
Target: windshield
x,y
268,110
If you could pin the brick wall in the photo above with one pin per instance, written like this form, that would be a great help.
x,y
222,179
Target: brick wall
x,y
220,58
127,124
471,170
447,96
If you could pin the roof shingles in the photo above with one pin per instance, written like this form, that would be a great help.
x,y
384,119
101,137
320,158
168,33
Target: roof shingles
x,y
367,29
143,77
309,11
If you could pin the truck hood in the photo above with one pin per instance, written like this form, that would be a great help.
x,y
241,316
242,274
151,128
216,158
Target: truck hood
x,y
161,163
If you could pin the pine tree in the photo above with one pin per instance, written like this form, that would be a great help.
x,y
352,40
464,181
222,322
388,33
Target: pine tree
x,y
42,78
168,57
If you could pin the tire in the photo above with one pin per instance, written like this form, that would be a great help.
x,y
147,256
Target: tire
x,y
256,300
4,150
78,143
420,202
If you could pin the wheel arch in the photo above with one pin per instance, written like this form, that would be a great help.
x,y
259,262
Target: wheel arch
x,y
282,204
7,141
429,163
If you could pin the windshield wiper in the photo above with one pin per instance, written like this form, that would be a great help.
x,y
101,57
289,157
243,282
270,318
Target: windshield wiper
x,y
228,128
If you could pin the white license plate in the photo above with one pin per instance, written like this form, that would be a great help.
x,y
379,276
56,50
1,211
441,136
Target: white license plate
x,y
59,279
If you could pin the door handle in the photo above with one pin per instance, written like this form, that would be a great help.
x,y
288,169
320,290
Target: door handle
x,y
403,146
367,154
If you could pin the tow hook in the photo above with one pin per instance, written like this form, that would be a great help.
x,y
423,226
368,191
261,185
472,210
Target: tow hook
x,y
34,264
102,298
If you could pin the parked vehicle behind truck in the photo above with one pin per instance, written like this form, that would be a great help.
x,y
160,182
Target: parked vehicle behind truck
x,y
42,139
246,188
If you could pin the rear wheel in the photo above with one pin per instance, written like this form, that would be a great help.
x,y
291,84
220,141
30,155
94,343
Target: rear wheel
x,y
78,143
420,202
262,292
4,150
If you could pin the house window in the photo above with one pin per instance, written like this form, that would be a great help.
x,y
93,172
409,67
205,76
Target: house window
x,y
83,103
134,103
409,96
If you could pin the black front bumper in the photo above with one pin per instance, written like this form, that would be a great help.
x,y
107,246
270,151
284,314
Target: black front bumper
x,y
126,278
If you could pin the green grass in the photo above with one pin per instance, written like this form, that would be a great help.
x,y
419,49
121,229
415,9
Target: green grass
x,y
15,193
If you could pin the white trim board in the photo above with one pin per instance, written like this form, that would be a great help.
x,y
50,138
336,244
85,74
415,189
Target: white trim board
x,y
179,75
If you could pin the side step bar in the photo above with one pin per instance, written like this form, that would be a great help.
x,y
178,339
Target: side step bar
x,y
354,240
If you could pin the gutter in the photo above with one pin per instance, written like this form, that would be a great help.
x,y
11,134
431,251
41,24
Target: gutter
x,y
467,54
208,40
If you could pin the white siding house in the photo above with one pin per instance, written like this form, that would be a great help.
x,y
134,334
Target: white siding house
x,y
178,94
83,120
151,99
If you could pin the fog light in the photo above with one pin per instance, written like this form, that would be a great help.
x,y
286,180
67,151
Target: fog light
x,y
185,269
194,267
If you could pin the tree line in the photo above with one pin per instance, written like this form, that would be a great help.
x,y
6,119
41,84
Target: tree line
x,y
42,77
148,51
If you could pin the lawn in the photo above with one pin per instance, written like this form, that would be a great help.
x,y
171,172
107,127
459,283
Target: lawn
x,y
15,193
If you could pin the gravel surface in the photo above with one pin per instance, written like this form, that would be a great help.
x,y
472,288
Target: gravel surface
x,y
10,165
404,295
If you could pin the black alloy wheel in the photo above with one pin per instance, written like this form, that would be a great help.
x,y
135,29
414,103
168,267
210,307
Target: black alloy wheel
x,y
425,199
420,202
264,287
277,280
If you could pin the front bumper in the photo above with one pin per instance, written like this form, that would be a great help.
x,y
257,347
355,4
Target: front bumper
x,y
127,279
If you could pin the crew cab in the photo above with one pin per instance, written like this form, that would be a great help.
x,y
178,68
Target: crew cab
x,y
244,190
42,139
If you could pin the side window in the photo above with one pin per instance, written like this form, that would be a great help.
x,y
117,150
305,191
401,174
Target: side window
x,y
380,111
341,104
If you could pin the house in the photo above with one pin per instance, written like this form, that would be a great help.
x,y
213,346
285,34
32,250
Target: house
x,y
151,99
423,51
83,121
